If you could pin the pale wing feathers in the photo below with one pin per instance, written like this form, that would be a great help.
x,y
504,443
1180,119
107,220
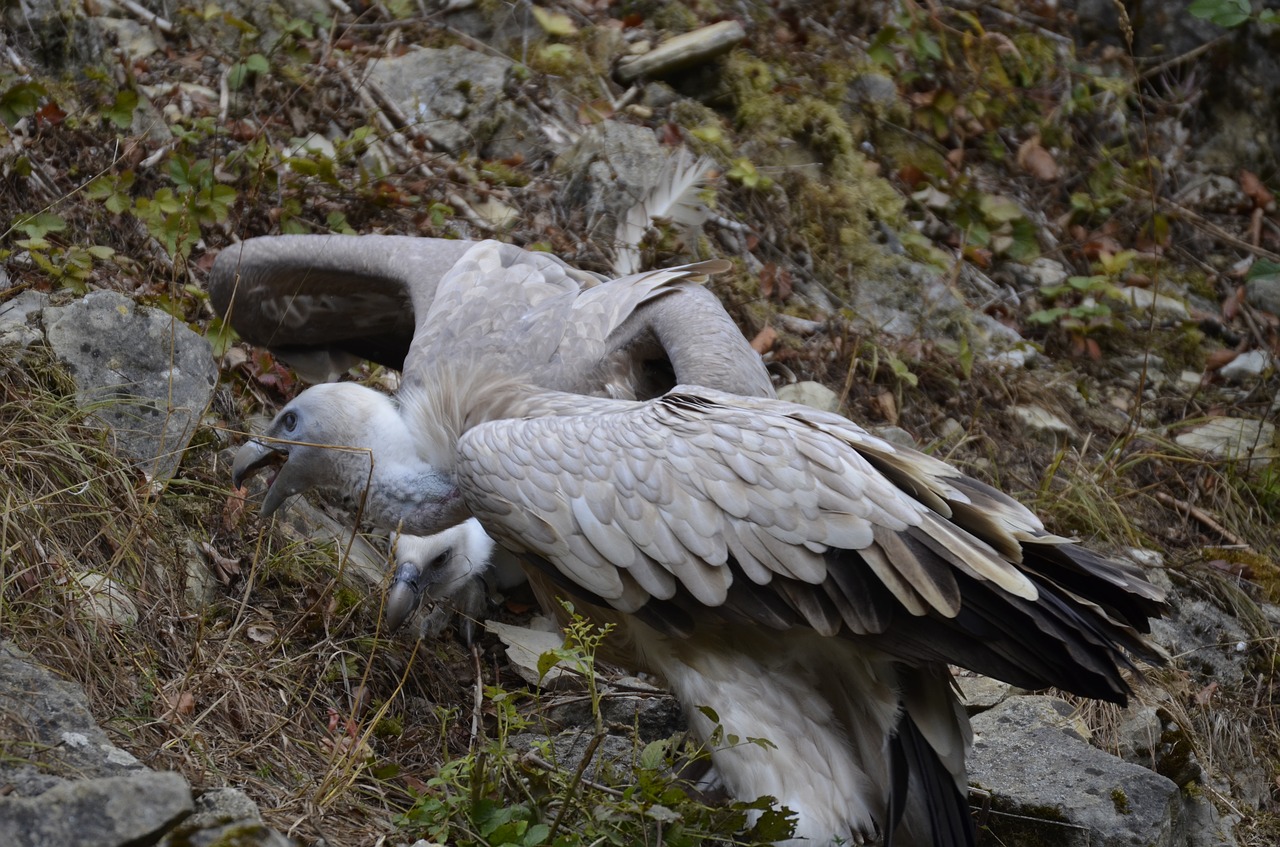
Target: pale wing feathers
x,y
668,492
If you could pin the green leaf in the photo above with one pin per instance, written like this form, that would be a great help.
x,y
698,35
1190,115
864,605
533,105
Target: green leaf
x,y
38,225
536,835
20,100
902,371
1046,316
257,63
999,209
238,76
1224,13
121,111
1263,268
654,755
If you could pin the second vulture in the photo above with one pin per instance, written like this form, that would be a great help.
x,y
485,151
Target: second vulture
x,y
807,581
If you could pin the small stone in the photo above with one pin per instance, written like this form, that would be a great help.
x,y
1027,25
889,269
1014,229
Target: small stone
x,y
1044,423
1264,293
812,394
103,599
1145,299
1047,272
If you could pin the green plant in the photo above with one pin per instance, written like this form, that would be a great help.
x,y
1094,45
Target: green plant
x,y
494,796
1231,13
1079,309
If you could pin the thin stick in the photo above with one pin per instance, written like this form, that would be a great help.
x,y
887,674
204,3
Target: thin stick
x,y
1203,517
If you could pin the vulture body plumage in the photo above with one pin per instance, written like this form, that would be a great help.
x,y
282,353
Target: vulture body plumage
x,y
806,580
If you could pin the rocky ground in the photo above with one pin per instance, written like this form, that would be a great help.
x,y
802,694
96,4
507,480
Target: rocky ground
x,y
1036,239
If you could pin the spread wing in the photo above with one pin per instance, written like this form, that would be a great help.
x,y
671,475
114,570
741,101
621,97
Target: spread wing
x,y
313,294
528,314
701,506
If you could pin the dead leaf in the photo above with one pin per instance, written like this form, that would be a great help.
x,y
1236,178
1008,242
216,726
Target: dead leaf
x,y
1217,358
1204,695
887,406
764,340
223,567
775,282
1255,190
1037,161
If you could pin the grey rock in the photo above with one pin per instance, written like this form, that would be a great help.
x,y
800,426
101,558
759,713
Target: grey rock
x,y
654,714
1048,785
224,816
102,599
1206,641
1233,438
456,96
980,693
1144,299
106,811
875,92
614,756
147,376
17,319
59,738
1213,193
1264,293
201,585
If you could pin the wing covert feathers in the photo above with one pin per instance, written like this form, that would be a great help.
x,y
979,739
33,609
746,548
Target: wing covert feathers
x,y
757,510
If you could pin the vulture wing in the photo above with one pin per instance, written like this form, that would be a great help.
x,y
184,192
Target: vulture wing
x,y
515,312
701,506
407,302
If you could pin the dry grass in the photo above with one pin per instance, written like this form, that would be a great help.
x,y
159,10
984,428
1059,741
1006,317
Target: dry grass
x,y
280,686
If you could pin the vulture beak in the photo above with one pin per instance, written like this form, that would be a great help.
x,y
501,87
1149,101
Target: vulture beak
x,y
404,595
252,458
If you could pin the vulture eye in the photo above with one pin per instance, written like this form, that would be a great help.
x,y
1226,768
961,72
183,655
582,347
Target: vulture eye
x,y
290,420
440,561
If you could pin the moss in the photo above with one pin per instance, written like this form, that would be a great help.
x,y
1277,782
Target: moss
x,y
1121,801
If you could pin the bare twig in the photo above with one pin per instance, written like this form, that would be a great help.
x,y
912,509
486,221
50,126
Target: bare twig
x,y
1203,517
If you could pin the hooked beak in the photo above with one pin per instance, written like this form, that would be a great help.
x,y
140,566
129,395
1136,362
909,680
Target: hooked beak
x,y
253,457
404,595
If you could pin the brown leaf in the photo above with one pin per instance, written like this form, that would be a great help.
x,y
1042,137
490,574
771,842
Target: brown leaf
x,y
1217,358
1231,306
1204,695
775,282
764,340
1255,190
1037,161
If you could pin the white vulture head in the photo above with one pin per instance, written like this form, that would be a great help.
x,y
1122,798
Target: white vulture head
x,y
457,569
807,581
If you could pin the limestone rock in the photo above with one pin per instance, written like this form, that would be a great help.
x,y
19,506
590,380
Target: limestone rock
x,y
147,377
16,317
1049,786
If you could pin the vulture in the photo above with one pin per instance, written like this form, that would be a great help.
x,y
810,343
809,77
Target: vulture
x,y
791,576
458,569
321,303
